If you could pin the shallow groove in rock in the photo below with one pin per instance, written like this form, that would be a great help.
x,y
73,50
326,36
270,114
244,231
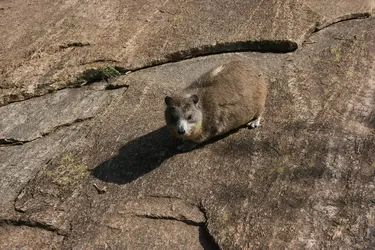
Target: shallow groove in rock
x,y
67,125
344,18
25,186
23,95
32,224
15,142
318,27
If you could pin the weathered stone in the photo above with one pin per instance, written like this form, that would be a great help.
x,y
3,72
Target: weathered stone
x,y
20,163
45,125
310,164
304,179
27,121
24,237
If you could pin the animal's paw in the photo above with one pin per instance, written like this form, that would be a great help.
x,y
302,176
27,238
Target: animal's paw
x,y
254,123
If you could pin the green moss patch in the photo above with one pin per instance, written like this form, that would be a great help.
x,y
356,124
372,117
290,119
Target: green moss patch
x,y
67,171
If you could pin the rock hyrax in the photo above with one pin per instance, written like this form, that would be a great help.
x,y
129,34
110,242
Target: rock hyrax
x,y
227,97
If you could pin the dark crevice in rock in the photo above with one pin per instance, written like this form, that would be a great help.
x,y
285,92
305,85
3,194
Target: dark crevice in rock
x,y
205,238
33,224
273,46
11,142
266,46
14,142
208,236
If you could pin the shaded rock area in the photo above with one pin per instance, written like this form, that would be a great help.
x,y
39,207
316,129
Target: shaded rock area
x,y
93,167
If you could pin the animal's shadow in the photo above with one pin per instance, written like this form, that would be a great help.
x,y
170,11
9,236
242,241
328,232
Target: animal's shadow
x,y
141,156
138,157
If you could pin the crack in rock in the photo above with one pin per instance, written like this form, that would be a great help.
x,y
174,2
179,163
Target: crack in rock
x,y
33,224
209,241
15,142
163,217
168,208
10,142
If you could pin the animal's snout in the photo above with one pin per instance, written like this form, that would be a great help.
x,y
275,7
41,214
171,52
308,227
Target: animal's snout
x,y
181,131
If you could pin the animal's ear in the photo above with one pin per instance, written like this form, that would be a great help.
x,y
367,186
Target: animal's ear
x,y
168,100
194,98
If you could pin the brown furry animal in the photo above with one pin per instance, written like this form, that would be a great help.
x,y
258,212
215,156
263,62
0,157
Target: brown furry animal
x,y
225,98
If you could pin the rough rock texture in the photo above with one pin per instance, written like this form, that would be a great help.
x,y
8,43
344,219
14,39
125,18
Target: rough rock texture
x,y
94,168
62,109
26,237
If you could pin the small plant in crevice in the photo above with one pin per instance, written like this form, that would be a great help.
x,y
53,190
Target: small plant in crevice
x,y
66,171
98,74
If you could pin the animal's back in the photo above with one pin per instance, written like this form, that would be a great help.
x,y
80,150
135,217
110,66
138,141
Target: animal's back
x,y
231,96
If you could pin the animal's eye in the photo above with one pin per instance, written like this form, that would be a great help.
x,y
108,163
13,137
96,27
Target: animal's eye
x,y
190,117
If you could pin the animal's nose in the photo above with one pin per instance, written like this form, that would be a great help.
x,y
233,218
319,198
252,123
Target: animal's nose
x,y
181,131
